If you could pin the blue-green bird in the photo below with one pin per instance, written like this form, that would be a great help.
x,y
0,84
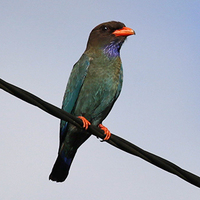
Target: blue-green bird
x,y
93,87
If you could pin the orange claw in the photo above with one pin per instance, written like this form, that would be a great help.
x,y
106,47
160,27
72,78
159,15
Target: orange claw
x,y
106,132
86,123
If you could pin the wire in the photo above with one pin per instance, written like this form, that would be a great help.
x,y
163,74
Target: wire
x,y
114,140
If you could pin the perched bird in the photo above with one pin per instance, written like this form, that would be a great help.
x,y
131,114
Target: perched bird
x,y
93,87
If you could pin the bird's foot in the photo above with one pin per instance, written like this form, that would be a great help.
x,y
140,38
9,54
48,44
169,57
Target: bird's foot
x,y
86,123
106,132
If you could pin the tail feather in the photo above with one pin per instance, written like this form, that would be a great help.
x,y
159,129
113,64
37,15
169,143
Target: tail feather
x,y
60,169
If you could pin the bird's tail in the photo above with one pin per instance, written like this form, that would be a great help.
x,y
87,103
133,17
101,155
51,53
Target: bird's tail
x,y
60,169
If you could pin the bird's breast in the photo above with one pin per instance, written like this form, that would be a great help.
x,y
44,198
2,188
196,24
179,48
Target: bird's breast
x,y
99,88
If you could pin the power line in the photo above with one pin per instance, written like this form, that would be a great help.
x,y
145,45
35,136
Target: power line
x,y
114,139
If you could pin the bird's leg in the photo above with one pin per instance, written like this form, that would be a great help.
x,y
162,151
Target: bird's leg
x,y
106,132
86,123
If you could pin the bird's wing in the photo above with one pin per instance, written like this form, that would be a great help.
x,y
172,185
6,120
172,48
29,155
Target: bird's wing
x,y
74,85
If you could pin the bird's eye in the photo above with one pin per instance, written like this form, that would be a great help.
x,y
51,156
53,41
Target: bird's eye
x,y
104,28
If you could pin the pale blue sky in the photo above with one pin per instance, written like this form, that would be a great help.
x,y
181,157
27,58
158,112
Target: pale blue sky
x,y
158,108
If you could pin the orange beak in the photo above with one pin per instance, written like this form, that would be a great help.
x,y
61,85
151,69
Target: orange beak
x,y
125,31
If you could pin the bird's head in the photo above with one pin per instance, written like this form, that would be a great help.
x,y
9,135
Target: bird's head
x,y
109,37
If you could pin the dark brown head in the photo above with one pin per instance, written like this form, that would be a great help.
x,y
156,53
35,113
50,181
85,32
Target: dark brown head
x,y
109,36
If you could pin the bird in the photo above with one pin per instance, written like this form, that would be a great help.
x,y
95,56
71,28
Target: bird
x,y
93,87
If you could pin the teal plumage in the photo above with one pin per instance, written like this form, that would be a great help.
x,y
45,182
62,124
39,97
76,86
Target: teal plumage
x,y
93,87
